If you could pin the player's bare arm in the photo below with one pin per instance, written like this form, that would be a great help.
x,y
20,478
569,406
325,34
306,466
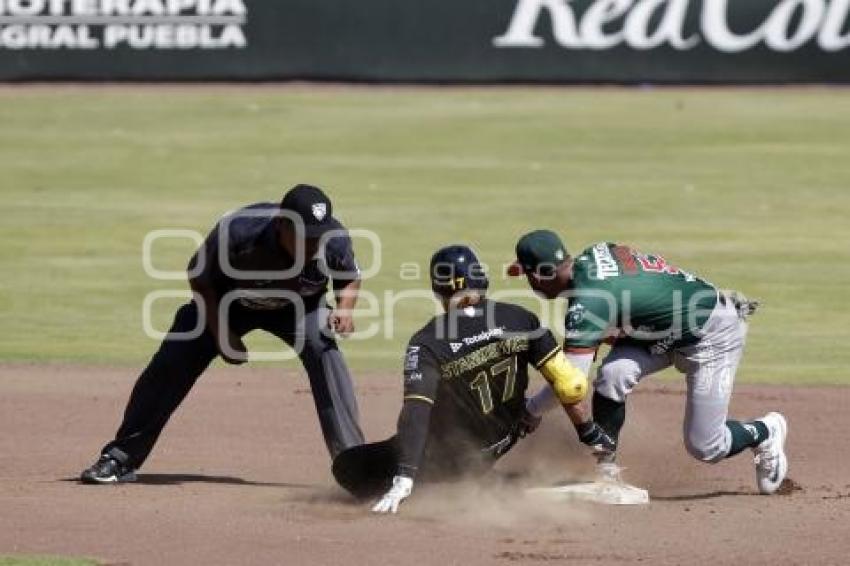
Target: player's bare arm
x,y
341,320
568,385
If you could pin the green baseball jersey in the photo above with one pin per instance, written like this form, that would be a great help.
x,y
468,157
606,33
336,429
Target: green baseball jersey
x,y
639,297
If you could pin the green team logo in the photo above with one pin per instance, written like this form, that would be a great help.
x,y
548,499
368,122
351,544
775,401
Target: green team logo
x,y
575,315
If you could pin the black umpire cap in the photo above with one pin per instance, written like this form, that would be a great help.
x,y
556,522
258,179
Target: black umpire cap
x,y
312,206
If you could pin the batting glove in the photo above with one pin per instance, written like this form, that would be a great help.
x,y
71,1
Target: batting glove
x,y
528,422
401,489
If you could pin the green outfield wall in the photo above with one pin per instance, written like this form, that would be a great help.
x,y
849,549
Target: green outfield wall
x,y
619,41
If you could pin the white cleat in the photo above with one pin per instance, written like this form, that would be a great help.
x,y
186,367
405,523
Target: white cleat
x,y
770,459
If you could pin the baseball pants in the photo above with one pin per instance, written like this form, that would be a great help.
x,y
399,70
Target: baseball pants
x,y
709,366
177,364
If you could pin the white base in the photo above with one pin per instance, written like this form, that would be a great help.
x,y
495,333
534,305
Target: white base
x,y
609,493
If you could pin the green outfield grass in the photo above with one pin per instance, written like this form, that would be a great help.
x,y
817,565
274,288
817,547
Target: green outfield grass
x,y
44,561
750,188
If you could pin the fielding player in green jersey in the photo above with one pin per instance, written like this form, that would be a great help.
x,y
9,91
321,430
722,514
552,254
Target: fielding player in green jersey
x,y
657,316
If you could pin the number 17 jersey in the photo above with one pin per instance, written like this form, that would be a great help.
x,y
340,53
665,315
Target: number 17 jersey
x,y
472,365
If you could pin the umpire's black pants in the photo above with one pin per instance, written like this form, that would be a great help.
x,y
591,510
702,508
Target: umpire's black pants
x,y
176,366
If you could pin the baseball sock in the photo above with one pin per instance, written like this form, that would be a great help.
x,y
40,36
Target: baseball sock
x,y
746,435
610,415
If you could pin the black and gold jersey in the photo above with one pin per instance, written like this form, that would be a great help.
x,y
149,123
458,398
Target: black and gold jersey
x,y
471,367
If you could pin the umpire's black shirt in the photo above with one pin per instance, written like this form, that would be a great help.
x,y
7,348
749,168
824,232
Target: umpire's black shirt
x,y
250,237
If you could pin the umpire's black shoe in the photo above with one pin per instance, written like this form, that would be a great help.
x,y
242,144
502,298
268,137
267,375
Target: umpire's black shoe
x,y
110,468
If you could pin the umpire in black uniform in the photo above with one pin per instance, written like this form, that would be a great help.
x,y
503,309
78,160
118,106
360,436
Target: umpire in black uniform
x,y
264,266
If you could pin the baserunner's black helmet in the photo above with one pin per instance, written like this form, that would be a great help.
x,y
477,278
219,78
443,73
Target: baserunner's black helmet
x,y
456,268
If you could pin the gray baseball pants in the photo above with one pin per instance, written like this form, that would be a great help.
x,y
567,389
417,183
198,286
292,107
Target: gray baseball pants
x,y
709,367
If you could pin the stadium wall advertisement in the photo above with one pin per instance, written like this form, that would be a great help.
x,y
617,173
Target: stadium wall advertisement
x,y
623,41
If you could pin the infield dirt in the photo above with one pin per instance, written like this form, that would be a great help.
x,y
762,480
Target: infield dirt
x,y
241,476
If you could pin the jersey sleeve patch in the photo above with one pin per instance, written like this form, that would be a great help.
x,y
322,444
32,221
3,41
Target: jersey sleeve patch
x,y
588,320
421,375
411,358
